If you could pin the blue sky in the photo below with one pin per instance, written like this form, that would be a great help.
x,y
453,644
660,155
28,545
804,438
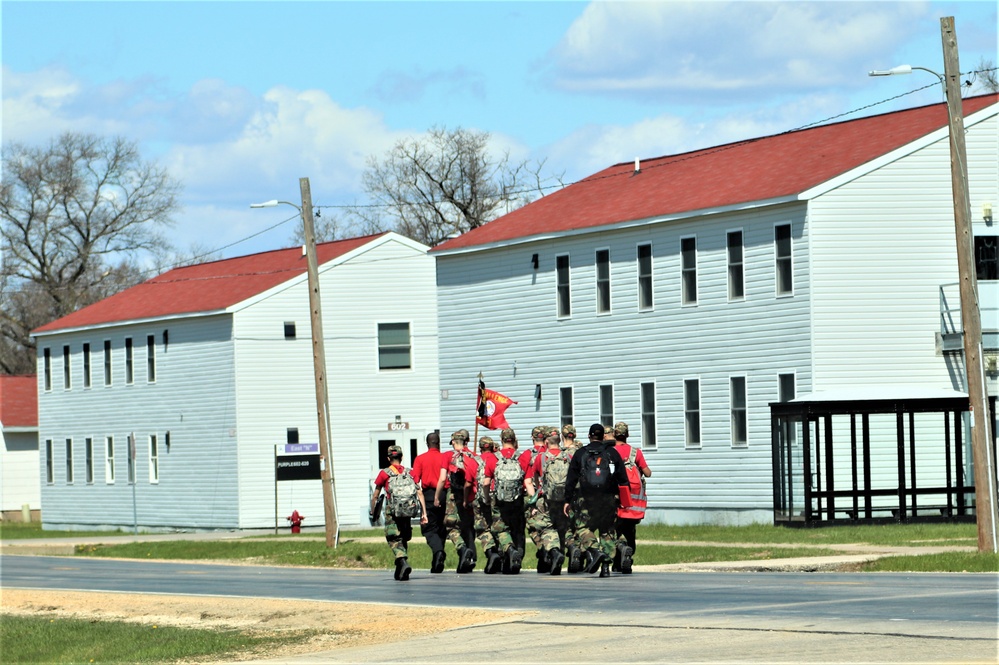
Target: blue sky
x,y
240,99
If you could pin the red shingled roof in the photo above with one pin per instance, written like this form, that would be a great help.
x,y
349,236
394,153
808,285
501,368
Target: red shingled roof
x,y
756,170
19,401
205,287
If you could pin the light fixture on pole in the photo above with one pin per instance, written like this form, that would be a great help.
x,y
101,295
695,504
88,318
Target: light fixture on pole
x,y
318,357
978,399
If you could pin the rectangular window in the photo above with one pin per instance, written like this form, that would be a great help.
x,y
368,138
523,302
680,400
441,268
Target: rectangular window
x,y
86,364
737,406
154,459
648,398
394,346
785,387
562,285
107,362
644,277
289,330
688,271
782,255
109,460
69,461
987,257
603,281
67,369
49,462
129,362
131,458
692,412
47,367
607,406
88,450
151,358
736,276
565,405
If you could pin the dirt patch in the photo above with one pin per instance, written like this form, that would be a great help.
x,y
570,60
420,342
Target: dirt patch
x,y
340,624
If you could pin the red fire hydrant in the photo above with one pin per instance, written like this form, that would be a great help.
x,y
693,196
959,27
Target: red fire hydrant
x,y
296,521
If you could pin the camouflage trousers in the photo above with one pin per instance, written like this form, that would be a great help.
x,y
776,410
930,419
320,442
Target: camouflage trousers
x,y
398,533
459,523
482,512
534,517
503,515
597,513
555,527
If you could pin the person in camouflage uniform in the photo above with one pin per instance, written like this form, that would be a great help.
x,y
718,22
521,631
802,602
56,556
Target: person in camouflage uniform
x,y
533,518
398,530
596,505
458,516
508,517
552,520
570,444
482,506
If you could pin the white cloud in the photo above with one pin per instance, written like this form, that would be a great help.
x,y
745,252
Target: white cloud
x,y
691,50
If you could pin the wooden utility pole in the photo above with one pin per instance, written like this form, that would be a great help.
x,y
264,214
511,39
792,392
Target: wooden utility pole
x,y
319,363
971,317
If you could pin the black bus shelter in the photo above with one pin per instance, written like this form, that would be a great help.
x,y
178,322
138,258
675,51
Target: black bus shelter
x,y
832,466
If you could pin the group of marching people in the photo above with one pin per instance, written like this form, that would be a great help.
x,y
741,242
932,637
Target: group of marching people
x,y
577,503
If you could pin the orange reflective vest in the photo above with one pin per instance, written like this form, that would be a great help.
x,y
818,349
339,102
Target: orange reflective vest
x,y
636,481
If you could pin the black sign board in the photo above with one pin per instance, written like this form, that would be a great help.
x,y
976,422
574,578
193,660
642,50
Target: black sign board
x,y
297,467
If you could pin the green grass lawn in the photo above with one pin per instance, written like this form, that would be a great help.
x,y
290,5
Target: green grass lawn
x,y
23,530
43,639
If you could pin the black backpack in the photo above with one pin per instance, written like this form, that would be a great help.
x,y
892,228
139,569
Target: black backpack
x,y
457,477
595,474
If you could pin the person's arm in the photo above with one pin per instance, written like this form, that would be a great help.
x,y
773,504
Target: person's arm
x,y
379,483
643,466
423,507
440,486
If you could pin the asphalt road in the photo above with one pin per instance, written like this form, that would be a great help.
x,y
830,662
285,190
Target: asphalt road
x,y
662,617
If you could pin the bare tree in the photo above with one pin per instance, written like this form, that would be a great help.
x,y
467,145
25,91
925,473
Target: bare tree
x,y
74,218
985,77
444,184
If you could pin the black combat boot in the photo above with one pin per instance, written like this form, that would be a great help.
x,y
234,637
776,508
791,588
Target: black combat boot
x,y
405,569
605,568
626,560
515,559
575,559
543,565
398,567
493,561
438,565
466,560
555,559
594,558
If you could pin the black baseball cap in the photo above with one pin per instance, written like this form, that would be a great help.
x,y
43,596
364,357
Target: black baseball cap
x,y
596,429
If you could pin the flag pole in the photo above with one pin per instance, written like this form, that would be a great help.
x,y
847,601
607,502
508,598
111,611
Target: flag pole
x,y
478,403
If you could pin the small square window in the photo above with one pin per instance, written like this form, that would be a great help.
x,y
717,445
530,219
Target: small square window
x,y
289,330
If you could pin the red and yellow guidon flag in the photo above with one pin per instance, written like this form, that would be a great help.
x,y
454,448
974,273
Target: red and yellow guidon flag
x,y
489,408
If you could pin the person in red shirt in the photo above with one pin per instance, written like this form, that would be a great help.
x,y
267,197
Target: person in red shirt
x,y
398,528
482,505
426,471
553,521
629,517
457,480
532,517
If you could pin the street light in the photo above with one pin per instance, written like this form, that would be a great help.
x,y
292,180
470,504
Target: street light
x,y
318,355
971,317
